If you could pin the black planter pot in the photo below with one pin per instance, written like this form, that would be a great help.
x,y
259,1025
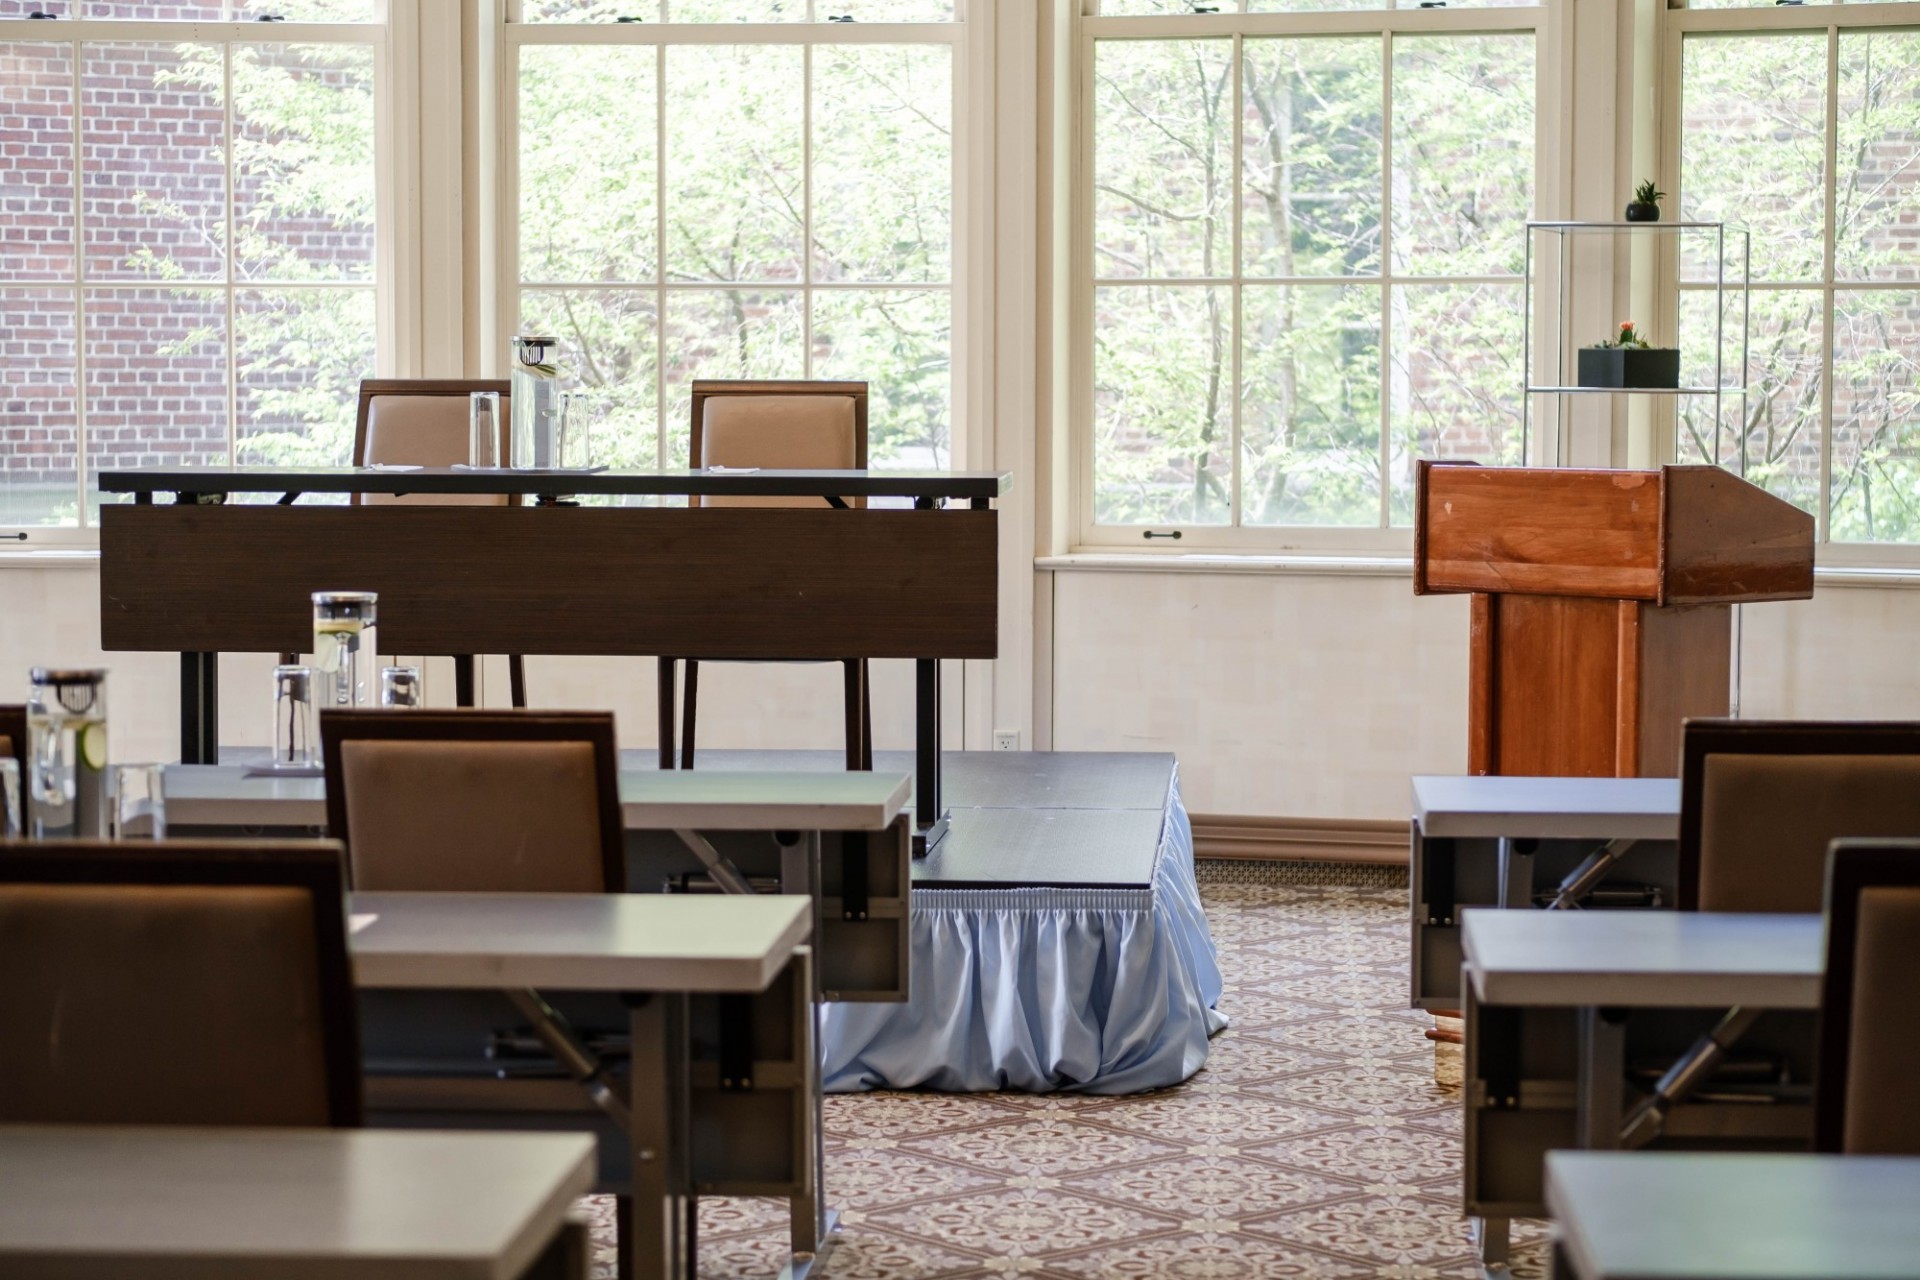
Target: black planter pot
x,y
1655,368
1638,212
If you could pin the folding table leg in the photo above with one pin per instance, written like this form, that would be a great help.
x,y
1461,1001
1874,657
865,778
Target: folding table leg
x,y
660,1138
1600,1102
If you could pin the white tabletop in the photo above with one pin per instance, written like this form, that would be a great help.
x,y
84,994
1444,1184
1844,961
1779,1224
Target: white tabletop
x,y
1548,808
1661,1215
105,1202
576,941
217,795
1643,959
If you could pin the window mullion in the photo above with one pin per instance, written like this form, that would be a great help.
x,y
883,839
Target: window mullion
x,y
1822,518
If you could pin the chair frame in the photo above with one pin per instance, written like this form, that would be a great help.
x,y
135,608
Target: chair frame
x,y
316,866
1853,865
1702,738
436,725
371,389
858,678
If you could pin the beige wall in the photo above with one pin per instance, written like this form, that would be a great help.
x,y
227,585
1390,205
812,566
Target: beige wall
x,y
1283,694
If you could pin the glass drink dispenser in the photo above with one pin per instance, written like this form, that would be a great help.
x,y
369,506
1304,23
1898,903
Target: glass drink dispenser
x,y
67,793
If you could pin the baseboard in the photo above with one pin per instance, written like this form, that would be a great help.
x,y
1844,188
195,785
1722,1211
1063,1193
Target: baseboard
x,y
1367,840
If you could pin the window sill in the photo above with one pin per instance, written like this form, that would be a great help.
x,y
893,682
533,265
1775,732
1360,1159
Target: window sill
x,y
68,557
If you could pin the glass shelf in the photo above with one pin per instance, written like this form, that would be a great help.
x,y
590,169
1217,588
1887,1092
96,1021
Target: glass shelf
x,y
1577,228
1645,391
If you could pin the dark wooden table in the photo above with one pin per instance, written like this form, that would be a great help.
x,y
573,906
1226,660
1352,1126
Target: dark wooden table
x,y
184,568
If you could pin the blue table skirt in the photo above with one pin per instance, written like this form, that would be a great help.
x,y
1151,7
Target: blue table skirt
x,y
1037,990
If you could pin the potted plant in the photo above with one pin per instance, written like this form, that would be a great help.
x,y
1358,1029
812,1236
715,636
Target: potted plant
x,y
1645,205
1629,361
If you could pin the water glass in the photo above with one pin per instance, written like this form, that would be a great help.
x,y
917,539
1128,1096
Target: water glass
x,y
400,687
67,783
294,744
12,822
344,646
483,430
139,802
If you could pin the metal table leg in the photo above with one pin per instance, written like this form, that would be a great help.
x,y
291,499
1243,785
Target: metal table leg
x,y
1516,871
929,812
660,1138
1600,1101
199,708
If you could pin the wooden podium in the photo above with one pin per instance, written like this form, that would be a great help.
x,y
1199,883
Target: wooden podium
x,y
1601,602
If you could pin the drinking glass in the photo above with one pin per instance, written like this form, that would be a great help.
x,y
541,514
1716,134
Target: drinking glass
x,y
66,795
293,741
12,825
483,430
139,802
400,687
344,645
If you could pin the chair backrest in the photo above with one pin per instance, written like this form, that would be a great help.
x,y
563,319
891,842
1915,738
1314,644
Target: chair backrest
x,y
476,801
185,982
13,736
422,422
778,426
1760,800
1866,1084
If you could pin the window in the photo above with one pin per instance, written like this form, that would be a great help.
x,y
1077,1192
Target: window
x,y
187,260
768,198
1804,126
1303,244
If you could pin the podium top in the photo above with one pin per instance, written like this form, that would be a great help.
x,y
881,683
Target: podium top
x,y
1679,535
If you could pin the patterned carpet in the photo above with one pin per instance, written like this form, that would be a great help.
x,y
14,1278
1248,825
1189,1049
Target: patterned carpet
x,y
1314,1143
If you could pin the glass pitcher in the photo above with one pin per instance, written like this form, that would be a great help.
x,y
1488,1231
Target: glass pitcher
x,y
67,793
535,396
344,645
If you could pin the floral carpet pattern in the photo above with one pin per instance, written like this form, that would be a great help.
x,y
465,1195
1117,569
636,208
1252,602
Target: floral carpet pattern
x,y
1313,1144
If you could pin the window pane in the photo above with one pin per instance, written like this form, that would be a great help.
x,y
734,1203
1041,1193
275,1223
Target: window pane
x,y
1310,413
299,358
1753,147
1876,417
156,378
36,162
1127,8
898,342
303,162
736,10
882,163
1456,379
1703,437
306,10
38,481
1783,400
1877,208
1163,158
589,10
731,333
884,10
153,142
608,351
587,166
1162,413
149,10
1463,120
733,163
1311,168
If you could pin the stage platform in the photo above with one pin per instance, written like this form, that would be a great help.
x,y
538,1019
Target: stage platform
x,y
1058,942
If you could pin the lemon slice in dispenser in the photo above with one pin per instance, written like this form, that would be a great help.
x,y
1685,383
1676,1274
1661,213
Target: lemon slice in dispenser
x,y
93,746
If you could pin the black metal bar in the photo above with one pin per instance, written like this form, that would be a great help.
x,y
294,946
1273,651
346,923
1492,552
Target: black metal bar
x,y
663,694
855,861
199,708
837,503
736,1043
289,498
463,679
927,808
1438,878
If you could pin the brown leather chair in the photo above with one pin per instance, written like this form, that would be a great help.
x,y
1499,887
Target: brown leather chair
x,y
1866,1091
1760,800
476,801
779,426
183,983
422,422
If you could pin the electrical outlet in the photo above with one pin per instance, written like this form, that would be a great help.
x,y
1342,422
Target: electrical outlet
x,y
1006,739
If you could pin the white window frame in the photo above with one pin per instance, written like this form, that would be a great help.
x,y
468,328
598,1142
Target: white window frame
x,y
392,34
1831,19
969,431
1385,538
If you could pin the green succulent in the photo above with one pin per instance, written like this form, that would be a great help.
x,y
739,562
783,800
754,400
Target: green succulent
x,y
1646,193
